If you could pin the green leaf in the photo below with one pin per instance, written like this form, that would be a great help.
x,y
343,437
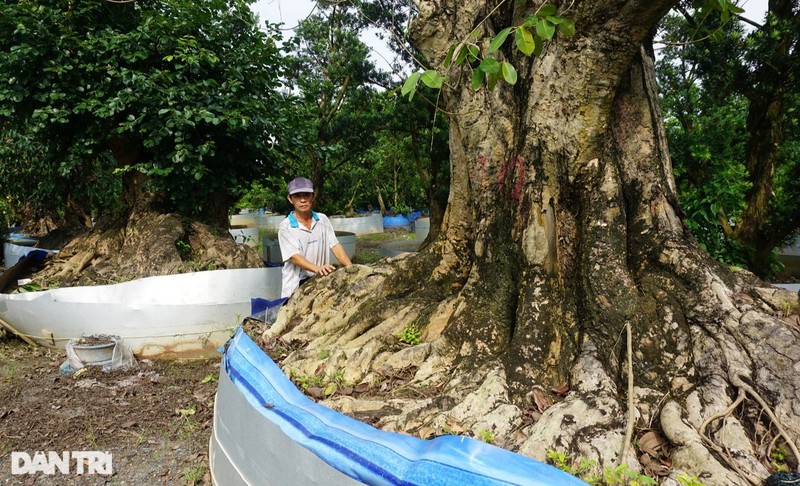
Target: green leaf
x,y
448,59
432,79
461,54
546,11
530,21
524,41
410,86
490,66
477,79
567,27
474,52
509,73
499,39
538,45
555,20
545,29
493,79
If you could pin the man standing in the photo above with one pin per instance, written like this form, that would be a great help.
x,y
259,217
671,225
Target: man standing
x,y
306,237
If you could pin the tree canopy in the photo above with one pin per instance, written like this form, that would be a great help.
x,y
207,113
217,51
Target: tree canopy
x,y
182,92
729,99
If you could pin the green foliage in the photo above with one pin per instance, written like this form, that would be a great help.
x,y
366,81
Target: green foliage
x,y
687,480
410,335
486,435
583,468
182,91
529,38
710,94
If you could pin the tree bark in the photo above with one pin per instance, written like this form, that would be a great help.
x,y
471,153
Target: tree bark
x,y
561,232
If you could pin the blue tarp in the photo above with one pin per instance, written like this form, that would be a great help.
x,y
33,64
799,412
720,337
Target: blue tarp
x,y
365,453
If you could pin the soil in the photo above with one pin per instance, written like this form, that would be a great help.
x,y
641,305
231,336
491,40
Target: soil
x,y
155,419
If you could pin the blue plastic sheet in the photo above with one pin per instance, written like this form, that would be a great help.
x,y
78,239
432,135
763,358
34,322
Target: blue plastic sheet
x,y
370,455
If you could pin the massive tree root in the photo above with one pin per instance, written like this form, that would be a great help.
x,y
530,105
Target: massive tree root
x,y
722,405
117,250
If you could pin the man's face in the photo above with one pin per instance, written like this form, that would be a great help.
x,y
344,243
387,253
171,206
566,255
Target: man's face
x,y
302,201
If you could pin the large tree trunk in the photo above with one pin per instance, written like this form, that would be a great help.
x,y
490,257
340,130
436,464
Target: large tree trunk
x,y
561,236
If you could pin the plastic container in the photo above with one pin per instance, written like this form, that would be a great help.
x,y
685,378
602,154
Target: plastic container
x,y
398,221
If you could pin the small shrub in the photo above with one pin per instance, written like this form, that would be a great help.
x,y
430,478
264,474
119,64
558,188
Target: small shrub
x,y
410,335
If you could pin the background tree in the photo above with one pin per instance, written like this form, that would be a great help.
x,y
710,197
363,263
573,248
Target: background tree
x,y
179,95
564,304
729,97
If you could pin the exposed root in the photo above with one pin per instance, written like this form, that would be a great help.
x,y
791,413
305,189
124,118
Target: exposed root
x,y
747,388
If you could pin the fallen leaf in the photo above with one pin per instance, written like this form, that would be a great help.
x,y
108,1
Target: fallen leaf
x,y
362,387
651,442
561,389
426,432
315,392
541,401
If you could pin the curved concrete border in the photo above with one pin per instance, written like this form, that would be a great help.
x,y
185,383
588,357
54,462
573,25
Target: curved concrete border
x,y
360,225
422,227
271,249
395,248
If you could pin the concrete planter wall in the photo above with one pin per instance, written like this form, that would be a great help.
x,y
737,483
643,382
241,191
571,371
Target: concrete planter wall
x,y
269,222
422,227
16,249
247,236
361,225
271,249
395,248
247,220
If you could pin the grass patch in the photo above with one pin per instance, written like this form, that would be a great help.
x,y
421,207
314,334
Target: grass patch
x,y
368,247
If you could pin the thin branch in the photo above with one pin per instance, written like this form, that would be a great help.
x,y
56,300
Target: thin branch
x,y
631,416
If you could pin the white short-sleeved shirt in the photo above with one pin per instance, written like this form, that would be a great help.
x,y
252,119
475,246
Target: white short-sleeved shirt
x,y
314,244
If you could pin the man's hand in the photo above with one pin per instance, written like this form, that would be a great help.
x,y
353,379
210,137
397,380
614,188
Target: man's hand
x,y
325,269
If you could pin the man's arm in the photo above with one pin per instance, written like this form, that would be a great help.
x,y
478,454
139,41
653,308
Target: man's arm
x,y
303,263
341,255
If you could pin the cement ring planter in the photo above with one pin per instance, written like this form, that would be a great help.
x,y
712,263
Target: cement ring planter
x,y
15,249
395,248
269,222
245,235
422,227
247,220
360,225
271,249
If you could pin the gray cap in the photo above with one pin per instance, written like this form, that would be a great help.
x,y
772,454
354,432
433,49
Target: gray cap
x,y
300,184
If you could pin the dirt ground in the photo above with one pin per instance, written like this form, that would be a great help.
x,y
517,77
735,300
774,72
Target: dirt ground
x,y
155,419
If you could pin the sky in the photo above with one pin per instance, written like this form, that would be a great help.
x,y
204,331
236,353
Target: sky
x,y
290,12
